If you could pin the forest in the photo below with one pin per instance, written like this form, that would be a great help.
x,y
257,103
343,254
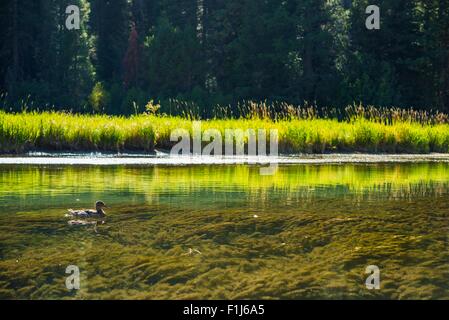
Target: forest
x,y
200,54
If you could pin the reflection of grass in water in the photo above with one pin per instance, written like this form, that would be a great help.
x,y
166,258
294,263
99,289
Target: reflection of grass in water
x,y
27,180
316,252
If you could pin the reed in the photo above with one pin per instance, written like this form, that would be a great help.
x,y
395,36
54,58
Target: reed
x,y
304,129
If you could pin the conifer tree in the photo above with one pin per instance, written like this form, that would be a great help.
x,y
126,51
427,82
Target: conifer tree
x,y
131,61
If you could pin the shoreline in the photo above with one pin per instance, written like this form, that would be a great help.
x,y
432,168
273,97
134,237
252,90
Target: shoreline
x,y
167,160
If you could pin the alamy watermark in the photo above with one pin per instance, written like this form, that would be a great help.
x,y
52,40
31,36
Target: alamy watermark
x,y
256,143
73,19
373,280
373,20
73,282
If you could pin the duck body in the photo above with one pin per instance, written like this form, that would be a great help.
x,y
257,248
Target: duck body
x,y
87,213
98,212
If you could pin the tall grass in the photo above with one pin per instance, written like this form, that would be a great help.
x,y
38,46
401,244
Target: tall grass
x,y
301,130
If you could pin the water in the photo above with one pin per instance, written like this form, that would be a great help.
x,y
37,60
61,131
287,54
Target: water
x,y
225,232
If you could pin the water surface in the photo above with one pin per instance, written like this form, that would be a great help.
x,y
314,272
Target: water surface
x,y
226,232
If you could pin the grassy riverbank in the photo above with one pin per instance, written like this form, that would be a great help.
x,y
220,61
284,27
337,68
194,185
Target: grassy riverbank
x,y
52,131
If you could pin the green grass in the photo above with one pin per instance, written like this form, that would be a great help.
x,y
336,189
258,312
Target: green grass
x,y
360,131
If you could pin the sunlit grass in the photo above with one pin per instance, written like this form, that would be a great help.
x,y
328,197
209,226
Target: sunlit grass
x,y
361,131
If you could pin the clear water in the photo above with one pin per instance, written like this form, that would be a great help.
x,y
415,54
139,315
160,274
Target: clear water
x,y
226,232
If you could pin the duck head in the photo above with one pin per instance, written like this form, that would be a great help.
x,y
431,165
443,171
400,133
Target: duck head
x,y
99,206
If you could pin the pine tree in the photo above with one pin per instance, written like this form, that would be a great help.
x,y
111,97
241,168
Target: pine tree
x,y
384,68
314,59
18,19
50,63
131,61
110,26
176,71
435,58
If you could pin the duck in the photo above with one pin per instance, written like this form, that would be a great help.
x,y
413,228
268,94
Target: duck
x,y
98,212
